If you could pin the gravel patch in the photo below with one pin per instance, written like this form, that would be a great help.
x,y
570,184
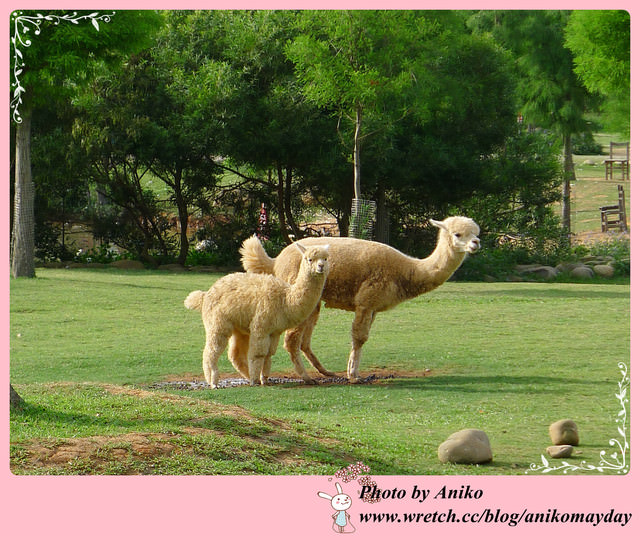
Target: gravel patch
x,y
191,385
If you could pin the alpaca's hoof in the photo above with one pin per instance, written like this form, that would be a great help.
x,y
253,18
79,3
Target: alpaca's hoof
x,y
356,379
309,381
329,373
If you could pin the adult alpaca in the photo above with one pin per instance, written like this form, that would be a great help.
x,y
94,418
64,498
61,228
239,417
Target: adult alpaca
x,y
366,278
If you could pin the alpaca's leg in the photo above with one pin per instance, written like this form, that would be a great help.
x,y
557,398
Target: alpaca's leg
x,y
266,370
214,346
266,366
238,349
292,343
359,335
305,343
258,352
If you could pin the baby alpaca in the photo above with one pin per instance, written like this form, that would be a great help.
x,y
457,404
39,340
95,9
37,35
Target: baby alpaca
x,y
253,310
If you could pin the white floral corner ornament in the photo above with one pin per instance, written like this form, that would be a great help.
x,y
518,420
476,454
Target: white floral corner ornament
x,y
616,461
22,25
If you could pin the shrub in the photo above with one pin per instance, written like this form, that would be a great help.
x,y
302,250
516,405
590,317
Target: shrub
x,y
103,253
586,144
617,247
48,245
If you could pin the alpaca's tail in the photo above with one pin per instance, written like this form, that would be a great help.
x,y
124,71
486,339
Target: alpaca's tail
x,y
254,257
194,300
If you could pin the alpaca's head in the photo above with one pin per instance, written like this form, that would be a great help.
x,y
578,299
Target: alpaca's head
x,y
315,259
460,232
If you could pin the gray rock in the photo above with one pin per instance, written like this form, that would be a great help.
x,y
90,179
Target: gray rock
x,y
564,432
172,267
567,266
526,268
560,451
127,264
582,272
468,446
546,272
597,259
86,265
604,270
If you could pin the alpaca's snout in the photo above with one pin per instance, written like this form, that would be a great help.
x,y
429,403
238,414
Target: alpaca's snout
x,y
473,246
320,267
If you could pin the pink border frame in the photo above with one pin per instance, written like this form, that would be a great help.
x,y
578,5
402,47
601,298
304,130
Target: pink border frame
x,y
284,505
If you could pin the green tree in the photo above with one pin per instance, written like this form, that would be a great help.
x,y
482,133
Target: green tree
x,y
144,113
443,152
61,189
283,134
360,65
601,44
549,91
233,67
52,55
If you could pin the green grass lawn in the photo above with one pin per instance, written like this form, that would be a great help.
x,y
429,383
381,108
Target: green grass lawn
x,y
87,345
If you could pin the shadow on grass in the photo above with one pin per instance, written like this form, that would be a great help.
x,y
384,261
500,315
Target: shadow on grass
x,y
585,292
130,278
492,384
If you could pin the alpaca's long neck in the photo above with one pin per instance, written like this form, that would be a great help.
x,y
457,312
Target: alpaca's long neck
x,y
437,267
304,294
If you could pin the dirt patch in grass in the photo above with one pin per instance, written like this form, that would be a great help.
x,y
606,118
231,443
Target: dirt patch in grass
x,y
275,442
193,382
98,450
588,238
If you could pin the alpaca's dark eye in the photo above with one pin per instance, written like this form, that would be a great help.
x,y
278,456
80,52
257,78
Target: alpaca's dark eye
x,y
457,235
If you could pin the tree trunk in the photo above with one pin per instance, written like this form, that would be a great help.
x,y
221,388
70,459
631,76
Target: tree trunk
x,y
344,217
356,153
15,400
282,222
183,217
23,232
569,176
287,203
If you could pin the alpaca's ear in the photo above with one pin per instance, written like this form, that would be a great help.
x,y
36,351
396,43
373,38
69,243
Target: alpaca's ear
x,y
326,247
300,247
439,224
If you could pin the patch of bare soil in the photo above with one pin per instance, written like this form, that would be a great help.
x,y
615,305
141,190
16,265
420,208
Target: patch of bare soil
x,y
191,382
592,237
135,452
96,451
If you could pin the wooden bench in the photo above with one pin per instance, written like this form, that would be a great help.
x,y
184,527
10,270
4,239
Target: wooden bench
x,y
615,216
618,158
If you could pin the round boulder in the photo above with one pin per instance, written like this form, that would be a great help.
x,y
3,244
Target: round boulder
x,y
127,264
564,432
604,270
560,451
172,267
468,446
545,272
582,272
